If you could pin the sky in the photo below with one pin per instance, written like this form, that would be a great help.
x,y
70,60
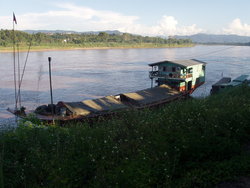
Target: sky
x,y
144,17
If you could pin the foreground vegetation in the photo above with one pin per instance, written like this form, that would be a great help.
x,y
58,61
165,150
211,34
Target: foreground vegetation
x,y
193,143
84,40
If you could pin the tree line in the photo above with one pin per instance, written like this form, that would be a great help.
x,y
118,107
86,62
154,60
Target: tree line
x,y
23,38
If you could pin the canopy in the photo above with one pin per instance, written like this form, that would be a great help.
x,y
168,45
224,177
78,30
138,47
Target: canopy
x,y
95,106
150,96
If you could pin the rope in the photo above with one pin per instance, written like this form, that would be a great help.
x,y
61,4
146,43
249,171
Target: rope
x,y
205,54
21,79
213,52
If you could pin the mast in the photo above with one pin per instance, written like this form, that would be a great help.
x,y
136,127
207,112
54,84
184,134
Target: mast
x,y
51,94
14,59
19,78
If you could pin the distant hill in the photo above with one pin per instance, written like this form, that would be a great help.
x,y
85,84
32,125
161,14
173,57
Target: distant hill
x,y
115,32
200,38
216,39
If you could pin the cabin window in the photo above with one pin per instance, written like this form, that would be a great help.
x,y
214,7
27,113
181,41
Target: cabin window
x,y
169,69
203,67
173,69
190,70
164,69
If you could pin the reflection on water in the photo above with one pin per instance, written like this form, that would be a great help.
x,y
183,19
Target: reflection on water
x,y
85,74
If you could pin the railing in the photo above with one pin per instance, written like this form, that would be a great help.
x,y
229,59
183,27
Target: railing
x,y
157,74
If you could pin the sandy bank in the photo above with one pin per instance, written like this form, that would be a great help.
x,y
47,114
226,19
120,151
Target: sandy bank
x,y
83,48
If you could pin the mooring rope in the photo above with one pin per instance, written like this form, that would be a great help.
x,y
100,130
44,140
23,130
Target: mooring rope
x,y
209,53
21,77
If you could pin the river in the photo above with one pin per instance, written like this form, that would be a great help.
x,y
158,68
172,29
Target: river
x,y
87,74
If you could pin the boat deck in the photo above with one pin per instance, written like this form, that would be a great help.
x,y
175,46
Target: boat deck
x,y
150,96
110,105
95,106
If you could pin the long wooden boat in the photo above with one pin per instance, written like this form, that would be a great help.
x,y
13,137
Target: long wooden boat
x,y
105,106
185,77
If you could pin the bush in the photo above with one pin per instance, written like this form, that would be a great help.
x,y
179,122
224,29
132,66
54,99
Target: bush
x,y
193,143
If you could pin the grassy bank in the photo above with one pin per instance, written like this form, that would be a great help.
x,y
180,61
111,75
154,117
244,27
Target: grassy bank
x,y
193,143
44,47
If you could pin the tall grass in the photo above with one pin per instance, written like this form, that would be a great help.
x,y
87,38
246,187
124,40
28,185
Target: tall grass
x,y
193,143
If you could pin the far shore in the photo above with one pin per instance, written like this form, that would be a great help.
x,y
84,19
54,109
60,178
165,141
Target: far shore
x,y
41,49
57,49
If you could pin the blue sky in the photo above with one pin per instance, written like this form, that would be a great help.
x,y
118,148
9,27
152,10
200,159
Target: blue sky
x,y
145,17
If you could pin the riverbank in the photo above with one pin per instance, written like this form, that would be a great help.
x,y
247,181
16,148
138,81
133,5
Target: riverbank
x,y
95,46
192,143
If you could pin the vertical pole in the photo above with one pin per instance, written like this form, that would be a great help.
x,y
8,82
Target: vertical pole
x,y
19,77
51,94
14,65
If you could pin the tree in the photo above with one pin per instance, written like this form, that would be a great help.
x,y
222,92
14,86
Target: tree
x,y
103,36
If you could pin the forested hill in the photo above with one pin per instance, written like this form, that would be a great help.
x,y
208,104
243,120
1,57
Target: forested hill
x,y
217,39
83,39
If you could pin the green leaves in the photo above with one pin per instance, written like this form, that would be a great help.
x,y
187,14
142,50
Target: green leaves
x,y
192,143
103,39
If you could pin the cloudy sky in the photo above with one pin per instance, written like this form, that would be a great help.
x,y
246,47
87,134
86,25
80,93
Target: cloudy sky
x,y
145,17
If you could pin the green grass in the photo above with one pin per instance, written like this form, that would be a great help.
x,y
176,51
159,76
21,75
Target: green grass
x,y
193,143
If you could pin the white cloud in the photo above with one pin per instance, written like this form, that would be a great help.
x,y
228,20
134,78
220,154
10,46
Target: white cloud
x,y
167,26
238,28
79,18
71,17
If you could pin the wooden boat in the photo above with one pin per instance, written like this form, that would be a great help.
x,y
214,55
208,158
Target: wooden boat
x,y
220,85
226,82
111,105
105,106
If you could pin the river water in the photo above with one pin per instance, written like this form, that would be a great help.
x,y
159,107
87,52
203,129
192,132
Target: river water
x,y
87,74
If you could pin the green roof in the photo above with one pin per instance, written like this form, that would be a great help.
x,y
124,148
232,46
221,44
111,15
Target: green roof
x,y
242,78
182,63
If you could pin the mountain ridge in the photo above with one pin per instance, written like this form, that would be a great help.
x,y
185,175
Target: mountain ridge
x,y
202,38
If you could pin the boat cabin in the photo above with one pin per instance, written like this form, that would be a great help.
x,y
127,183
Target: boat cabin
x,y
221,84
182,75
